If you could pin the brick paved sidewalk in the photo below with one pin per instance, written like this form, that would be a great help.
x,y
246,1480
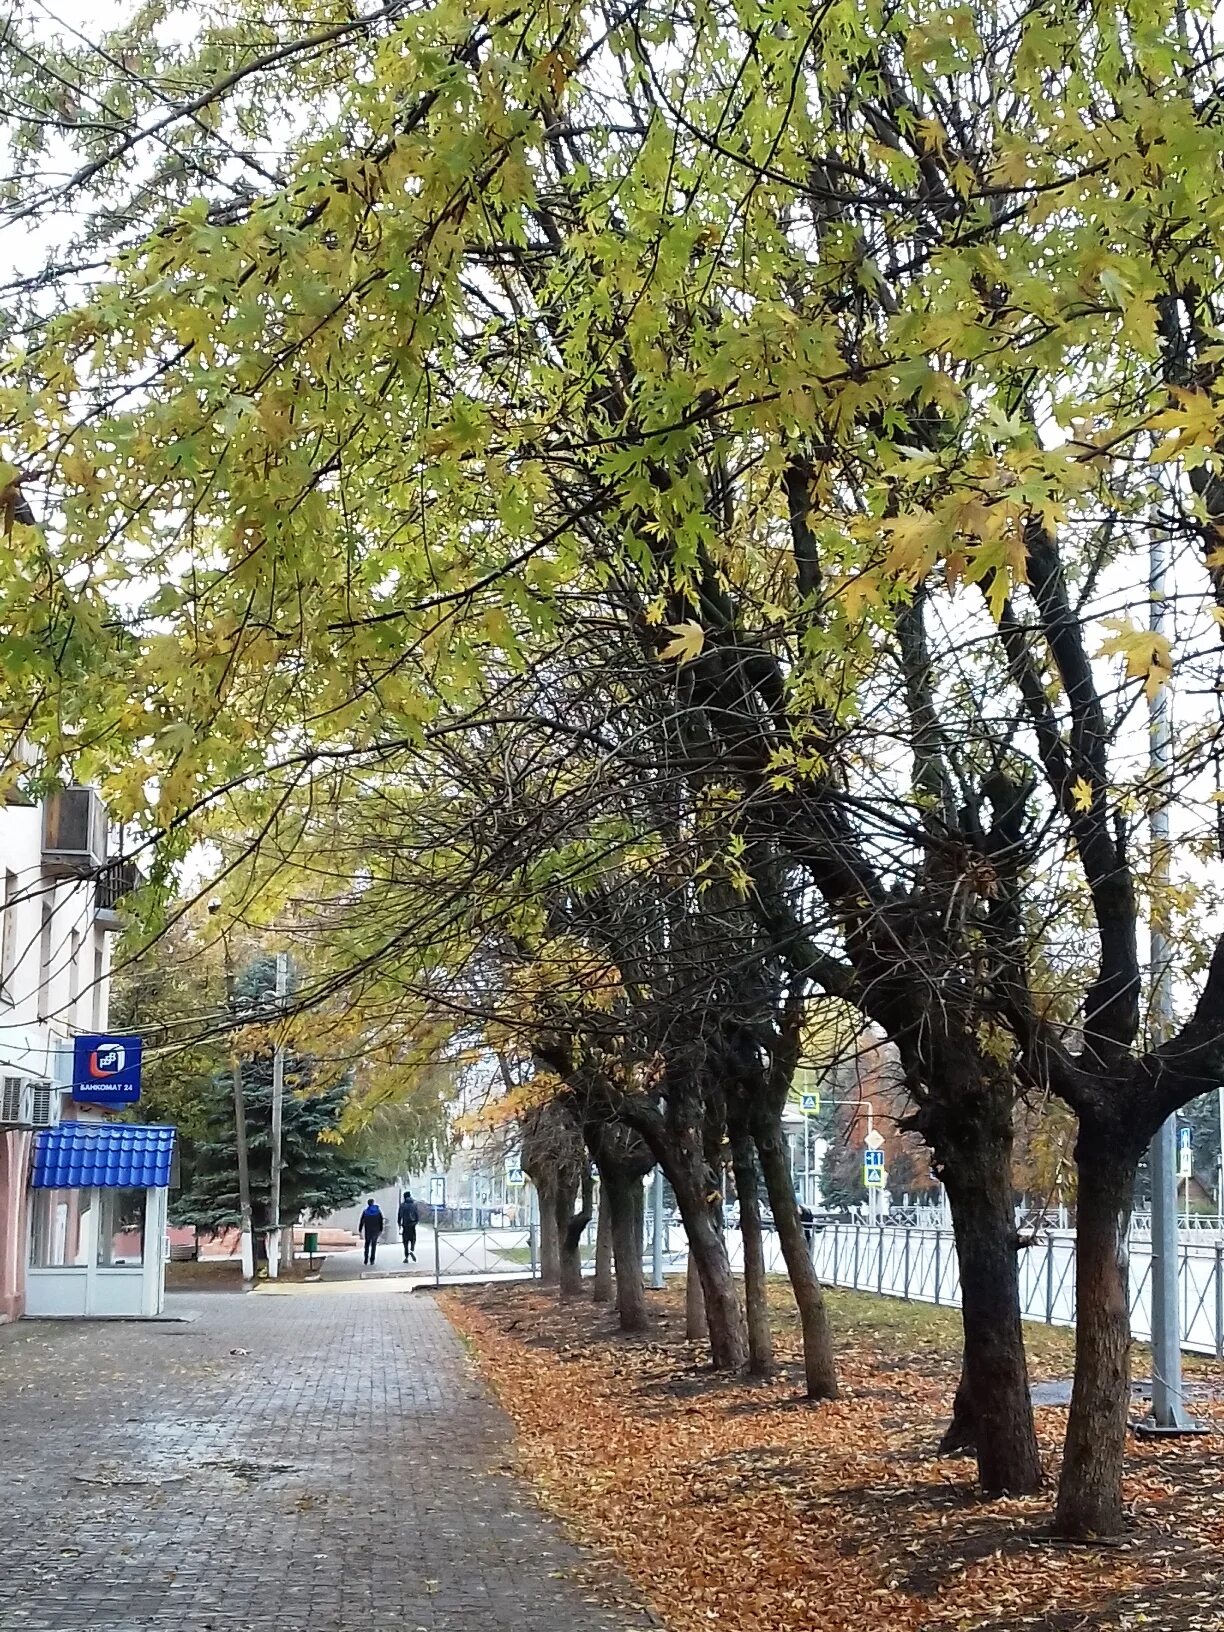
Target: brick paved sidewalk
x,y
341,1476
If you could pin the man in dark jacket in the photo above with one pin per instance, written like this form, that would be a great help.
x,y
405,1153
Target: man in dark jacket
x,y
409,1214
371,1227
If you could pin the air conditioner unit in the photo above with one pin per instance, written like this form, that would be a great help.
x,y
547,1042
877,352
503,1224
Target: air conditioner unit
x,y
12,1101
74,833
28,1104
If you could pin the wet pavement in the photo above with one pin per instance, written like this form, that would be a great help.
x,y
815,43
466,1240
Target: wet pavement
x,y
306,1459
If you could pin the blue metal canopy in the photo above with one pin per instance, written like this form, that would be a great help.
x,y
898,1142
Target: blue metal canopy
x,y
111,1155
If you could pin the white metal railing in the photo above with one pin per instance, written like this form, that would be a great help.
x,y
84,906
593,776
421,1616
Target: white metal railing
x,y
921,1265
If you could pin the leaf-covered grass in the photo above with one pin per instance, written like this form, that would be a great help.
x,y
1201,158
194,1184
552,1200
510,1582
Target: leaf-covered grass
x,y
742,1507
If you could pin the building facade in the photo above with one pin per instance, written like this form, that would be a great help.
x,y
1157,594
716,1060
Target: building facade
x,y
58,913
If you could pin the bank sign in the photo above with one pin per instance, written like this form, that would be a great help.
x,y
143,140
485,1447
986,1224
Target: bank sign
x,y
106,1070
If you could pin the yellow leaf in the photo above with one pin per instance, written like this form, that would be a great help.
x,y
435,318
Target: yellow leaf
x,y
1081,793
1148,655
688,644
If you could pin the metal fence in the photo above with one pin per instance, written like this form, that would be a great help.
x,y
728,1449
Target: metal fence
x,y
921,1265
456,1253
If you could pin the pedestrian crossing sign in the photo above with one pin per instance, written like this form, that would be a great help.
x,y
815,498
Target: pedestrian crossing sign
x,y
809,1104
514,1175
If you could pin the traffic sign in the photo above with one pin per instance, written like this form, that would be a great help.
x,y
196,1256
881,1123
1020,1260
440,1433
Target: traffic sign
x,y
514,1175
1185,1153
874,1140
873,1158
437,1190
873,1177
809,1104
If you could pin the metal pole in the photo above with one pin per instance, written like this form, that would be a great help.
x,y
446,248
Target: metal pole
x,y
246,1243
1220,1182
437,1249
531,1232
1168,1408
656,1230
278,1097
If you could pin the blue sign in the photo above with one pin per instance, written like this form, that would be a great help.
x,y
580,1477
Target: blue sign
x,y
106,1070
1185,1138
873,1158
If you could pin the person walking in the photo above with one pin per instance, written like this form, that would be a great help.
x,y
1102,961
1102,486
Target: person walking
x,y
371,1227
408,1218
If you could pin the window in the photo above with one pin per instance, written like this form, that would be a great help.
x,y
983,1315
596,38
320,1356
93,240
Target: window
x,y
99,975
74,973
44,962
8,937
121,1223
60,1232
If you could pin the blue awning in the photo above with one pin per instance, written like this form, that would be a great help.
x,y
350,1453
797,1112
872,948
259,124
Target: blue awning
x,y
111,1155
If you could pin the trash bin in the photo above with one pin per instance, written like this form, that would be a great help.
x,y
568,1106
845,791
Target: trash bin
x,y
311,1243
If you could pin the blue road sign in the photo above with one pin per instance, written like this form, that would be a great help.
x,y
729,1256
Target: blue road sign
x,y
873,1158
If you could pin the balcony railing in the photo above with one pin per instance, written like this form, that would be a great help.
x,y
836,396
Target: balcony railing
x,y
113,885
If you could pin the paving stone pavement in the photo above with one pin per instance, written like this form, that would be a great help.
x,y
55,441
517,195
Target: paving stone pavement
x,y
345,1474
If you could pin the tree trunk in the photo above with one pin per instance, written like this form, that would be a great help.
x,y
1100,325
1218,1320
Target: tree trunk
x,y
601,1286
819,1365
570,1228
550,1252
619,1192
696,1329
756,1303
994,1376
960,1436
708,1250
1090,1489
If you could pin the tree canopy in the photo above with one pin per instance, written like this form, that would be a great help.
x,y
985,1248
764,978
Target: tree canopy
x,y
610,522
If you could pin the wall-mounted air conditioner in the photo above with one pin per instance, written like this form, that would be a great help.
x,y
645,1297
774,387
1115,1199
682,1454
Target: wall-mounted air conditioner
x,y
74,833
28,1104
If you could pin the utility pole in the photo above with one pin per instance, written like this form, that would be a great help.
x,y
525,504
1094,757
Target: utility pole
x,y
246,1239
656,1230
278,1099
1168,1402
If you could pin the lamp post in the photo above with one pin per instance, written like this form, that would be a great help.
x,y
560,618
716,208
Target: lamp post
x,y
246,1238
1169,1414
278,1110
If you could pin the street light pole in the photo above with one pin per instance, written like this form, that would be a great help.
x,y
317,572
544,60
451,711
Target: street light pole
x,y
656,1230
246,1241
1168,1405
278,1101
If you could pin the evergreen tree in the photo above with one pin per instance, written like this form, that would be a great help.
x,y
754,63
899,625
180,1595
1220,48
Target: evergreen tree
x,y
318,1174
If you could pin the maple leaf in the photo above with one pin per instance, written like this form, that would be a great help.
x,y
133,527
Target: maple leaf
x,y
1148,655
1081,793
688,643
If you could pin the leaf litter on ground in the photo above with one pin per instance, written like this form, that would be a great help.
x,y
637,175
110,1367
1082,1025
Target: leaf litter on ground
x,y
739,1505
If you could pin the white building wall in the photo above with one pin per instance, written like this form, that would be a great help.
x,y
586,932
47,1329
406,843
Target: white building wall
x,y
58,978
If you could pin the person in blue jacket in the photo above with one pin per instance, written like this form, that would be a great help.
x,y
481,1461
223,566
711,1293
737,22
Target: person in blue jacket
x,y
370,1228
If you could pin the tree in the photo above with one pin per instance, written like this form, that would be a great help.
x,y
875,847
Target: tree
x,y
318,1174
823,367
